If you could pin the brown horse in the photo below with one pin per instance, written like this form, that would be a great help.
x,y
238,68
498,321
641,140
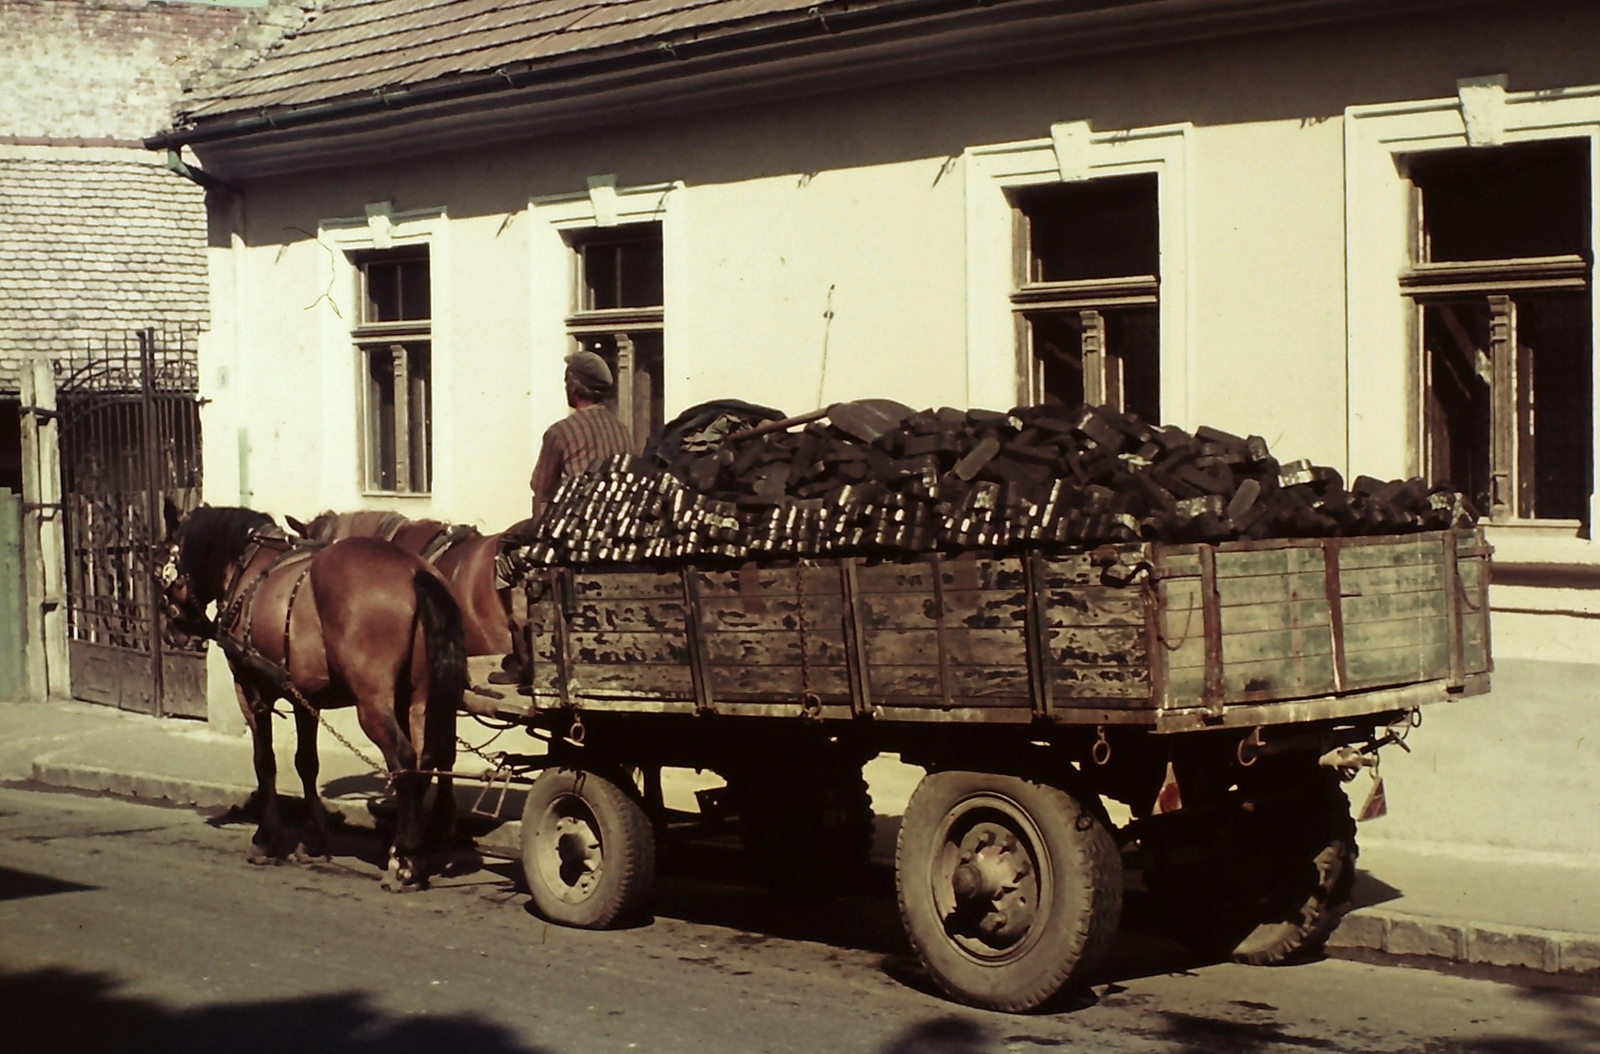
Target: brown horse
x,y
463,556
376,629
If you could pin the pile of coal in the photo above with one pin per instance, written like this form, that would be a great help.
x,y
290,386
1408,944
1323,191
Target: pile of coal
x,y
875,478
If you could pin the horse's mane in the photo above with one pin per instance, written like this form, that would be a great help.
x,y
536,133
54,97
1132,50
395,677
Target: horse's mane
x,y
211,538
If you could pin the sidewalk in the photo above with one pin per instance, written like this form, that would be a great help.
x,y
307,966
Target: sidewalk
x,y
1538,911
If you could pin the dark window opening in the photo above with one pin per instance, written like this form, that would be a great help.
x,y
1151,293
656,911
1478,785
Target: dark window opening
x,y
396,287
621,268
393,336
1103,228
1088,293
399,428
1504,203
635,360
1507,338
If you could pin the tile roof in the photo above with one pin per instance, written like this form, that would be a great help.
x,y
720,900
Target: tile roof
x,y
356,47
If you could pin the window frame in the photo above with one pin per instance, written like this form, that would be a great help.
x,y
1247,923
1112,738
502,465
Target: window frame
x,y
1102,369
562,224
621,324
344,241
396,338
999,360
1387,285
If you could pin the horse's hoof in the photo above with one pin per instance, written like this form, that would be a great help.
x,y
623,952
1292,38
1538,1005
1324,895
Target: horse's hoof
x,y
305,856
261,858
399,879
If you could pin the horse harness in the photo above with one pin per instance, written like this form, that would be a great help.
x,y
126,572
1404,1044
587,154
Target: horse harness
x,y
240,607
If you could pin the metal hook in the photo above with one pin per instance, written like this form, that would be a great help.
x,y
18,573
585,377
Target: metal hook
x,y
1101,751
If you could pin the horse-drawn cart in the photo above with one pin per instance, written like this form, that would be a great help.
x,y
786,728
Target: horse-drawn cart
x,y
1218,691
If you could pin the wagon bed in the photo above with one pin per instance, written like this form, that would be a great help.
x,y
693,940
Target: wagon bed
x,y
1168,637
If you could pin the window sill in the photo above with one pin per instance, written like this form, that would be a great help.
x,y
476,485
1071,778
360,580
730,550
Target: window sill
x,y
387,494
1541,542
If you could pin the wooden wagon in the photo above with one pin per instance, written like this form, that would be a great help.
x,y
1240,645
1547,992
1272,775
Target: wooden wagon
x,y
1219,692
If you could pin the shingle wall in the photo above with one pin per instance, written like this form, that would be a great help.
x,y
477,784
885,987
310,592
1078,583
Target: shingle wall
x,y
92,249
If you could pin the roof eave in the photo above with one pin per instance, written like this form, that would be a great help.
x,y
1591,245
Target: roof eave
x,y
818,49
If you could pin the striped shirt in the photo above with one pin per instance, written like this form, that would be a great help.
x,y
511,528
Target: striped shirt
x,y
572,443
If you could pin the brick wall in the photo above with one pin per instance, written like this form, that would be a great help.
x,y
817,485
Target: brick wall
x,y
102,70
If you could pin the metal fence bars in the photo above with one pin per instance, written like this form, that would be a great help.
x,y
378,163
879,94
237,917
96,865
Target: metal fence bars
x,y
130,437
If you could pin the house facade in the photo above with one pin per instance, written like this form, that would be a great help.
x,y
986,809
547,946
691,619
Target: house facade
x,y
1361,230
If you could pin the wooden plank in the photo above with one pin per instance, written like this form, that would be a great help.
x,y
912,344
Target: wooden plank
x,y
915,647
1183,627
963,574
1368,580
1064,572
1404,551
621,648
638,616
1093,606
1249,618
1273,589
666,679
1287,677
1251,564
969,685
988,609
733,682
1399,665
1386,607
1392,633
1262,645
771,581
1097,646
1077,682
627,585
777,612
823,648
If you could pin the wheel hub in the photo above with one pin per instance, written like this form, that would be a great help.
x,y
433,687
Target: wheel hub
x,y
995,900
571,854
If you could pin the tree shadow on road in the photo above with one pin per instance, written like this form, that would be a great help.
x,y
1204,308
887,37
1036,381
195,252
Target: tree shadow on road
x,y
58,1011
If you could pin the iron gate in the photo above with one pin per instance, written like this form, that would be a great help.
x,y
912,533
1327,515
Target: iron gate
x,y
130,438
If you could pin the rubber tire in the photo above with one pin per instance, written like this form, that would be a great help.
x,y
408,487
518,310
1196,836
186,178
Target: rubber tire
x,y
627,843
1084,879
808,830
1274,884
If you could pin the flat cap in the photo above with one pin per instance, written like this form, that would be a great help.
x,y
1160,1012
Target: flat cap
x,y
590,370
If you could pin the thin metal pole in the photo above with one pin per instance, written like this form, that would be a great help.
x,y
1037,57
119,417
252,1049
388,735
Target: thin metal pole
x,y
147,402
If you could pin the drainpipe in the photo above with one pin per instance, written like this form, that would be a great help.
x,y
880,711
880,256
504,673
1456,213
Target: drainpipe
x,y
193,174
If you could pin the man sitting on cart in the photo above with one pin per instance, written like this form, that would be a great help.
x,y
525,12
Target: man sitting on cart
x,y
570,446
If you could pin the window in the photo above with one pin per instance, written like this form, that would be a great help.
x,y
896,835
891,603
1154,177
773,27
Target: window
x,y
1086,296
618,315
1500,283
392,337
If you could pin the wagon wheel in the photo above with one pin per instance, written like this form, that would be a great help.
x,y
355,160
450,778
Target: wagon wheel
x,y
588,849
1010,890
1263,886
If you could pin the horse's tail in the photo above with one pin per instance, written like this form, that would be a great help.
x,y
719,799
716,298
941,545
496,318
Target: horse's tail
x,y
444,637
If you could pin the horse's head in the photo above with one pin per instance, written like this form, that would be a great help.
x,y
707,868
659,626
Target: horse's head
x,y
185,610
318,530
199,549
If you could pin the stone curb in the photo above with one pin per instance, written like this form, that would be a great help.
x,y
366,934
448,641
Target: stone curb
x,y
138,785
1456,940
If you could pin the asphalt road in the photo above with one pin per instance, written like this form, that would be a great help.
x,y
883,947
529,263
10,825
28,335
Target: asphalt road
x,y
127,927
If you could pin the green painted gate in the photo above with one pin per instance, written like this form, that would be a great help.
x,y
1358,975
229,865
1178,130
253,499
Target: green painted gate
x,y
12,598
